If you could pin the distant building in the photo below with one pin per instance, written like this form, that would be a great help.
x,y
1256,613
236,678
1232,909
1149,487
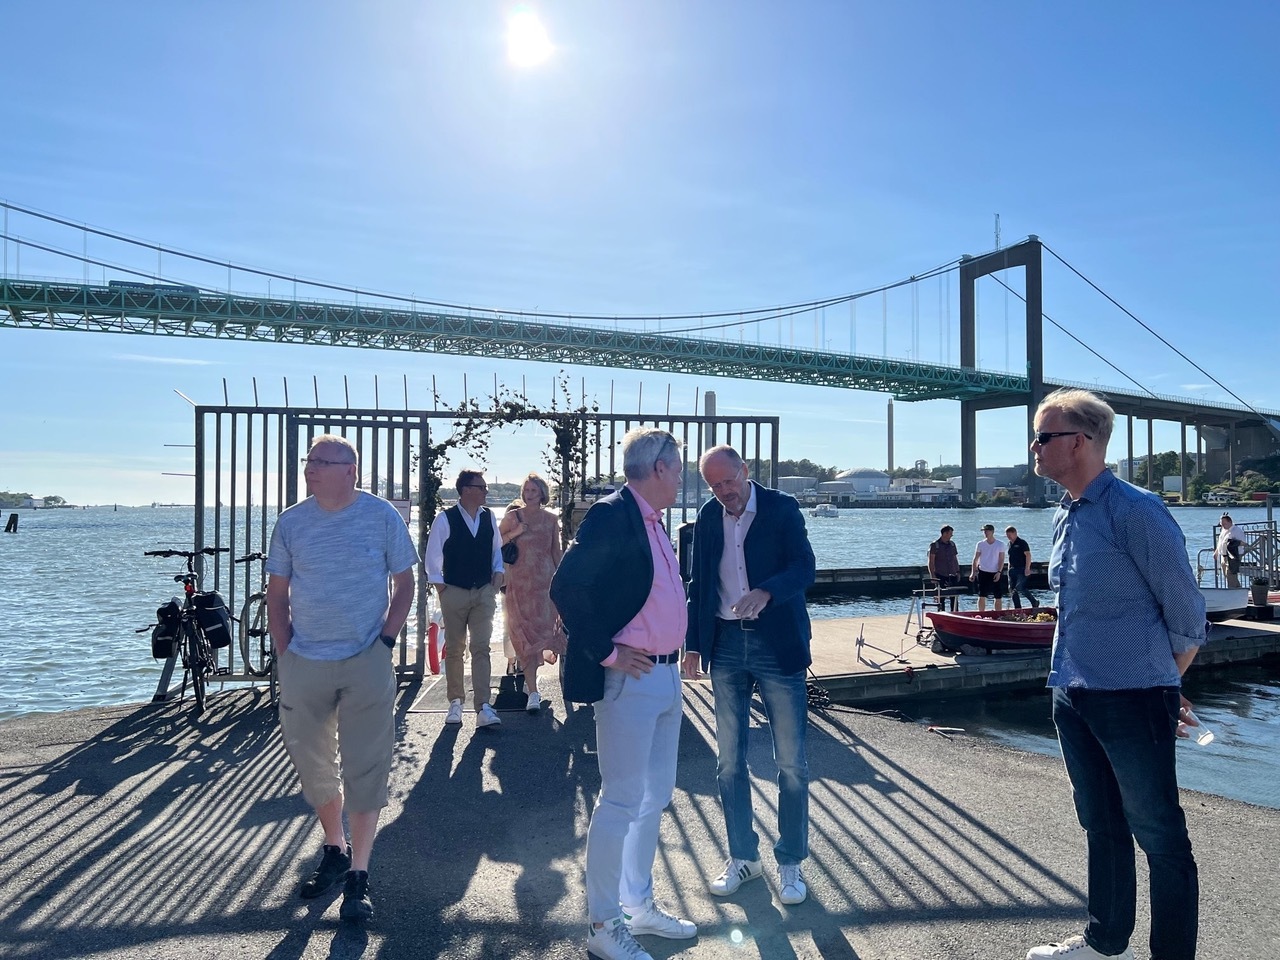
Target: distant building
x,y
862,480
986,484
919,491
794,485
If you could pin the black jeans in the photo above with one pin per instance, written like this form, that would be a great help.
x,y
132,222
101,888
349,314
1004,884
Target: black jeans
x,y
1018,585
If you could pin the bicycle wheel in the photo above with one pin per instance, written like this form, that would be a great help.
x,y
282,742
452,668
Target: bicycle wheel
x,y
256,652
201,664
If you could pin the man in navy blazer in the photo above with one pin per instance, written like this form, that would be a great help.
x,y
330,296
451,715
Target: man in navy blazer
x,y
752,563
619,593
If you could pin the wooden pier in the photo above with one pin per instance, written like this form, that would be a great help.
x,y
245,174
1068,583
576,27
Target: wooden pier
x,y
872,659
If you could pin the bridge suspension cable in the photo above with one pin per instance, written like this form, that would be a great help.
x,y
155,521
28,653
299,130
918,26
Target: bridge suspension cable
x,y
1127,312
1046,316
758,314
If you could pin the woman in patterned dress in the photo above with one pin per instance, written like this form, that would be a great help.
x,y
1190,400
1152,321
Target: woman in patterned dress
x,y
532,624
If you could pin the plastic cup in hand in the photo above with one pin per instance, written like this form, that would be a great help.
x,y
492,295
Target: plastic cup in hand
x,y
1200,733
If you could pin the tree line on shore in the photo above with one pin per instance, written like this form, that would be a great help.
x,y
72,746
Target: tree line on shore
x,y
10,499
1261,475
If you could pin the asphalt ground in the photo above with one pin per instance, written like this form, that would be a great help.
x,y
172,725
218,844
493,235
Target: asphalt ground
x,y
141,832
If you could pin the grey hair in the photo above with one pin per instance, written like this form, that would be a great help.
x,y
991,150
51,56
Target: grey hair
x,y
723,450
641,449
336,441
1083,410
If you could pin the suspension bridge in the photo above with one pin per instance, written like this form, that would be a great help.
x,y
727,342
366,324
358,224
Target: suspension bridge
x,y
153,307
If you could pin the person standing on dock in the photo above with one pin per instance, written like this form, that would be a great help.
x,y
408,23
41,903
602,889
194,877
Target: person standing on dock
x,y
1131,620
620,596
1231,546
944,561
1019,569
334,623
752,563
988,566
464,561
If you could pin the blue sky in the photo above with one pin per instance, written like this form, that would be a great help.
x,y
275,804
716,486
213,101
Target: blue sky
x,y
669,157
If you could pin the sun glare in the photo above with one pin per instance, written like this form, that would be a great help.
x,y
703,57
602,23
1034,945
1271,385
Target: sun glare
x,y
527,41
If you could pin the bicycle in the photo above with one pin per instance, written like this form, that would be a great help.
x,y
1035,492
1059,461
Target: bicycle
x,y
257,651
203,626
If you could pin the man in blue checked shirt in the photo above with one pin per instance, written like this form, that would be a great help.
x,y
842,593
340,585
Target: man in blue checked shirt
x,y
1130,620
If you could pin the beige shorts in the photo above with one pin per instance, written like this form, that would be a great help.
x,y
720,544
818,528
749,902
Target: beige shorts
x,y
332,708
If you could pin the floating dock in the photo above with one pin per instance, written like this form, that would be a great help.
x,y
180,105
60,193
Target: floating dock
x,y
874,659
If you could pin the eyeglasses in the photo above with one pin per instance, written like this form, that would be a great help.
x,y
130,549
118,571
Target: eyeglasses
x,y
320,462
1044,436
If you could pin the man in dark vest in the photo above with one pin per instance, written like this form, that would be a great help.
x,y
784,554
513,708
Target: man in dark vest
x,y
464,561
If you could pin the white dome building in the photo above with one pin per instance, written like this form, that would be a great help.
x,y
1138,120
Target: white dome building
x,y
861,480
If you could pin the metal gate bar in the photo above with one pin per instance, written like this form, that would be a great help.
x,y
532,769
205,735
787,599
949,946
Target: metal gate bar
x,y
247,468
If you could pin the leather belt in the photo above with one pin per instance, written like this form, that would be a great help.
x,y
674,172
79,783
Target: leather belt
x,y
665,657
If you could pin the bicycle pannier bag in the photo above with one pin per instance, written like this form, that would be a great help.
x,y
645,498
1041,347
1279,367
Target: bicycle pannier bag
x,y
213,617
164,636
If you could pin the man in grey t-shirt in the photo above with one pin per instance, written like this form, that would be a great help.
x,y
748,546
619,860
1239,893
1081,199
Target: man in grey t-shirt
x,y
334,622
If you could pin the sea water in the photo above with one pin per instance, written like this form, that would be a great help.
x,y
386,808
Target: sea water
x,y
75,586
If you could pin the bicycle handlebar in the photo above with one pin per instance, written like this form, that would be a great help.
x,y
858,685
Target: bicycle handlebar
x,y
250,557
189,555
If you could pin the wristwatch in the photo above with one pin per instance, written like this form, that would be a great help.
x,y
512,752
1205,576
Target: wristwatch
x,y
389,641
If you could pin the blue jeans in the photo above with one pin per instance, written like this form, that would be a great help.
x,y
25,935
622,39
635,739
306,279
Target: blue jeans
x,y
1018,585
740,660
1118,748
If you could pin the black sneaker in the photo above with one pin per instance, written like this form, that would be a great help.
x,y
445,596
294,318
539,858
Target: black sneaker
x,y
333,867
356,904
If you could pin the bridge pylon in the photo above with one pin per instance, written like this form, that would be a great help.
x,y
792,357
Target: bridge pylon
x,y
1028,255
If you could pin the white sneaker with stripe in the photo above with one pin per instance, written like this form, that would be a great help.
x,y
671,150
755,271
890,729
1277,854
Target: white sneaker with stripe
x,y
736,873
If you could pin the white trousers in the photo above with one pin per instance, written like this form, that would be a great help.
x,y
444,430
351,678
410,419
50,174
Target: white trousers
x,y
637,742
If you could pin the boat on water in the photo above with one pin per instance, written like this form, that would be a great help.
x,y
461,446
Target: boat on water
x,y
994,629
1224,603
825,510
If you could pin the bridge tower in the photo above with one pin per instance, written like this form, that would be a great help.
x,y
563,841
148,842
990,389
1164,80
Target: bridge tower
x,y
1027,255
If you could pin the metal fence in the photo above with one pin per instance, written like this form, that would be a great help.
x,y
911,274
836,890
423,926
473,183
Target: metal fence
x,y
248,468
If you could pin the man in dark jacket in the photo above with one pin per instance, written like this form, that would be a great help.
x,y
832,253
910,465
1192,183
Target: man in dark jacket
x,y
751,565
619,593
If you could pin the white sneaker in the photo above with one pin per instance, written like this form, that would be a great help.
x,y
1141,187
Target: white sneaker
x,y
1077,948
650,918
613,941
486,717
791,885
736,873
535,702
455,712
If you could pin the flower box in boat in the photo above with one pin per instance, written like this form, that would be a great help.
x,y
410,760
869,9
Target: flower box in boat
x,y
995,629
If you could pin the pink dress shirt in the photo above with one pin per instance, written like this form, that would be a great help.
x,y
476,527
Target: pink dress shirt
x,y
660,625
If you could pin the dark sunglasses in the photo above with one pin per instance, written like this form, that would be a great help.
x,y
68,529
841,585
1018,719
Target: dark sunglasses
x,y
1044,436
